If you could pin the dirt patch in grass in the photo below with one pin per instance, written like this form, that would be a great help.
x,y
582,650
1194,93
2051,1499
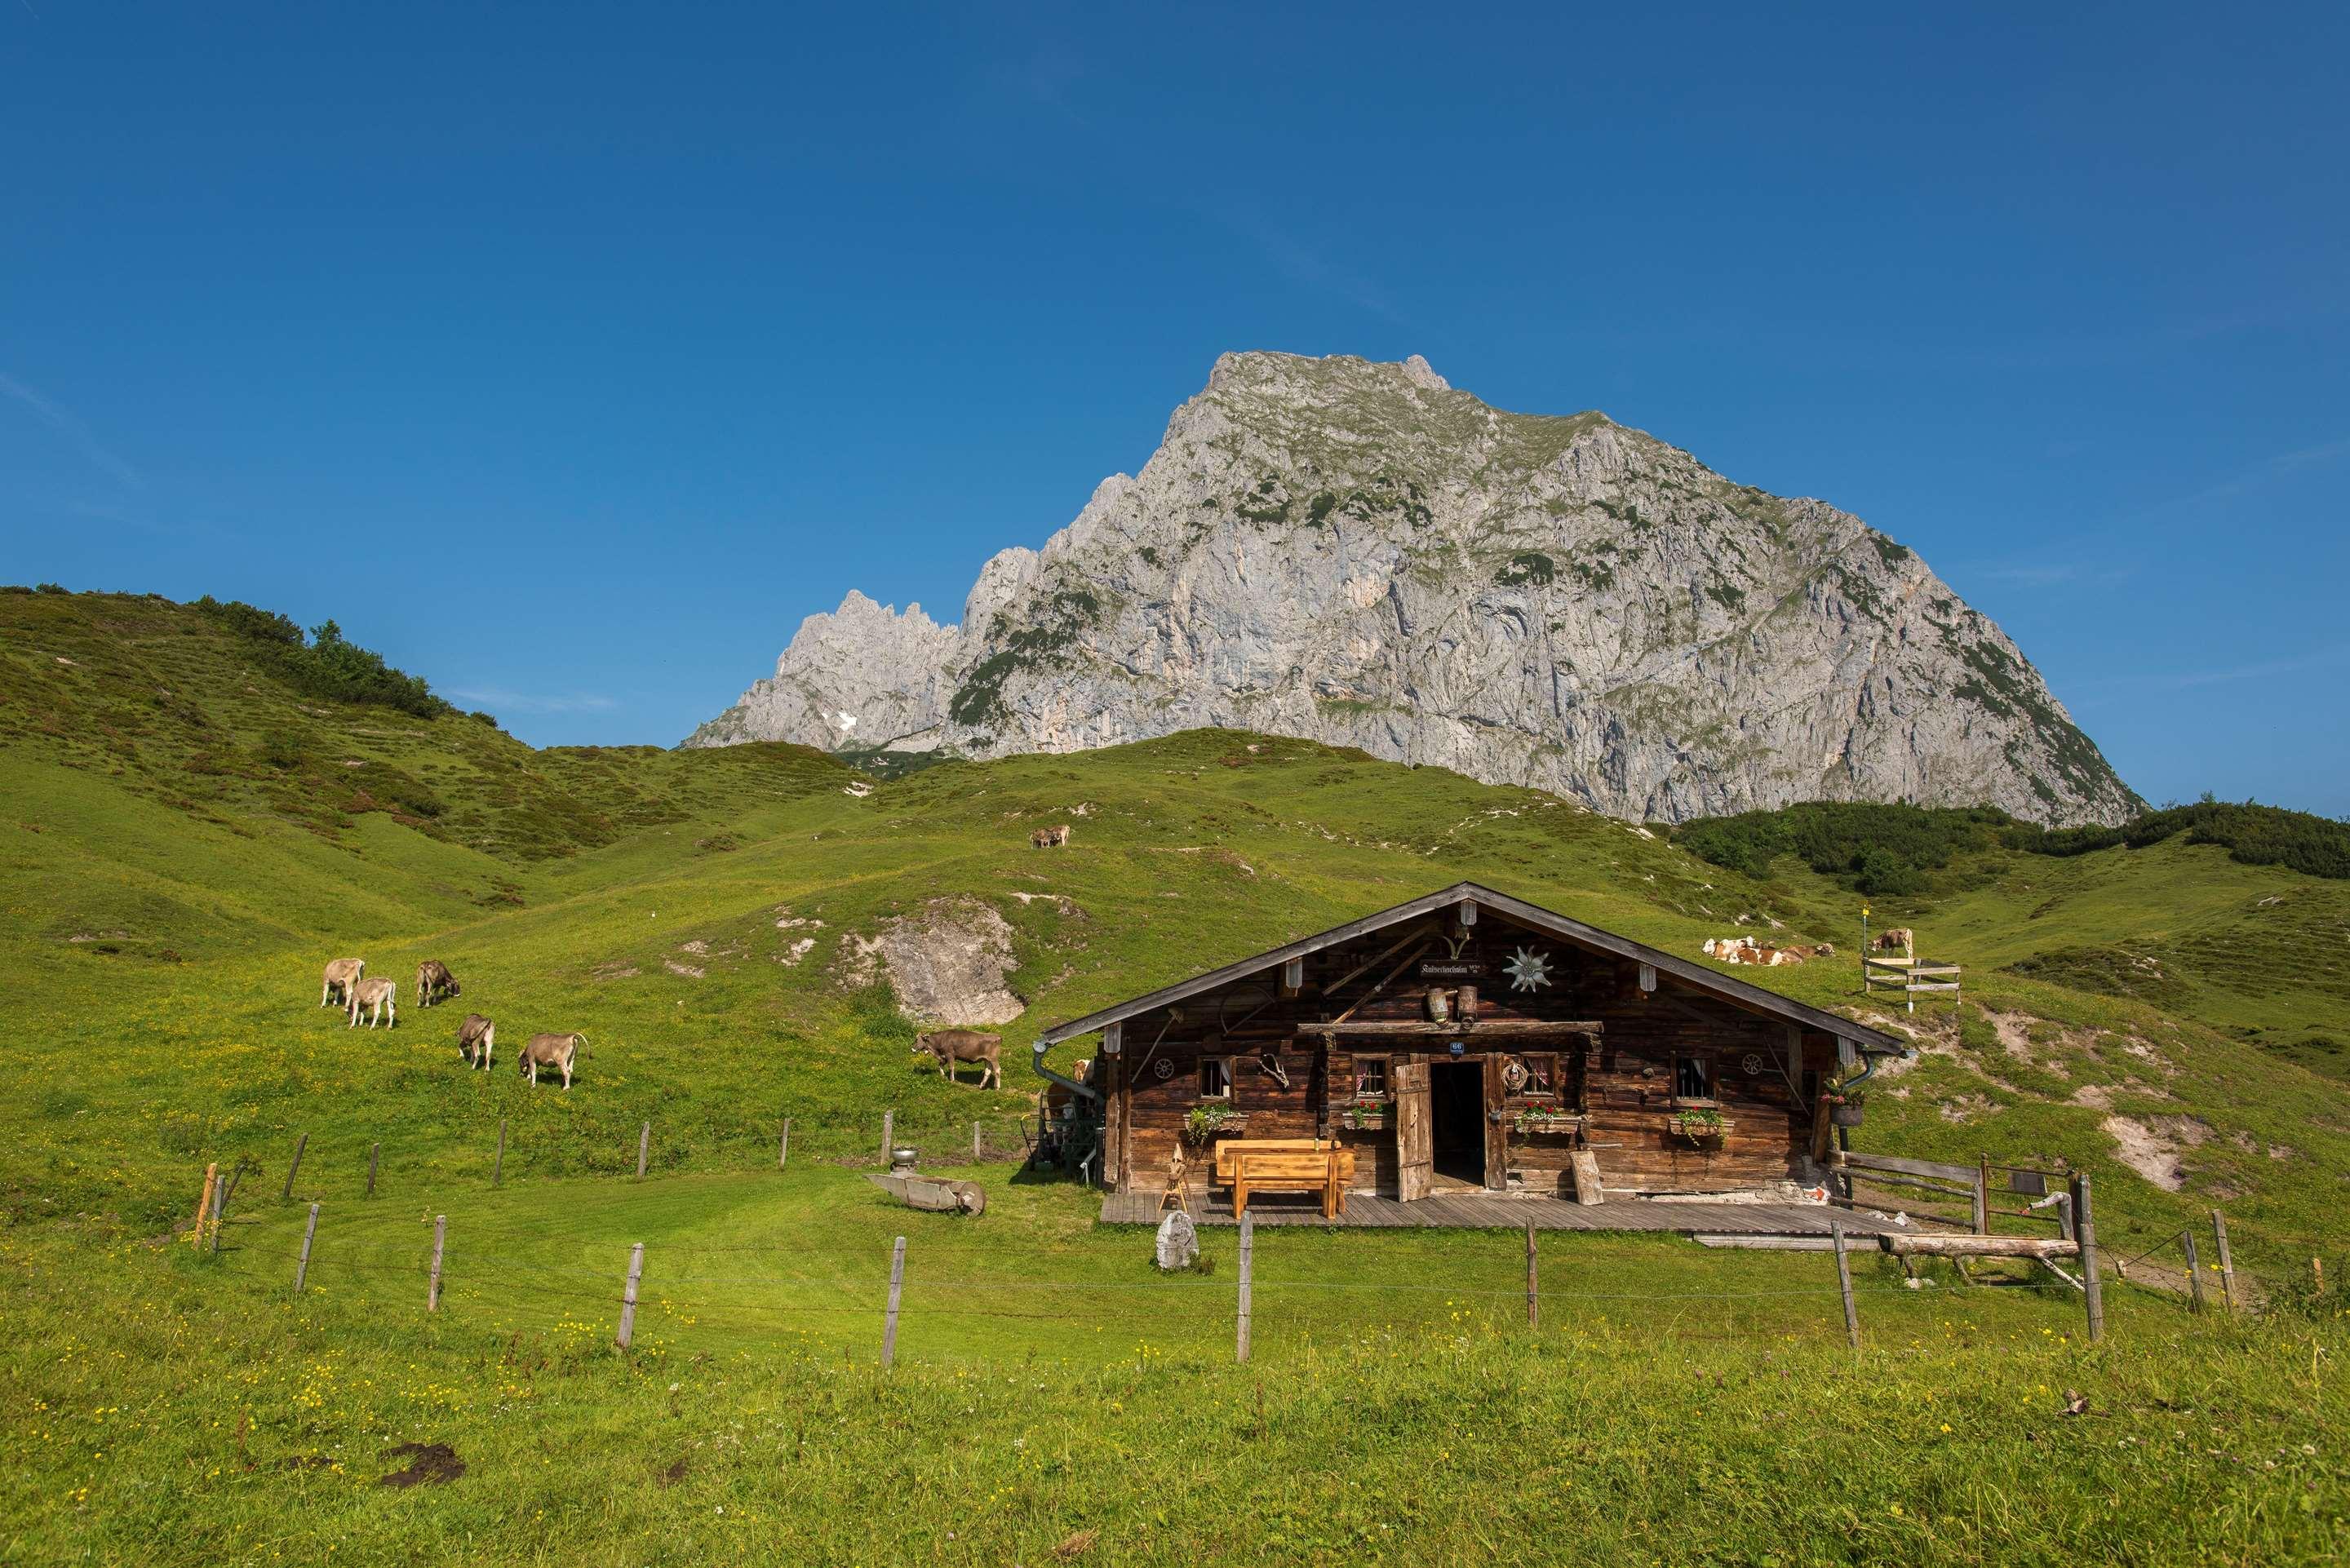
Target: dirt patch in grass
x,y
2152,1147
428,1464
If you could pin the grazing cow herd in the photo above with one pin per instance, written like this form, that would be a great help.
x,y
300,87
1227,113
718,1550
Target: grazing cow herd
x,y
347,982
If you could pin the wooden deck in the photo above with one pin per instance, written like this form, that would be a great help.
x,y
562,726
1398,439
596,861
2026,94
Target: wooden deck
x,y
1495,1212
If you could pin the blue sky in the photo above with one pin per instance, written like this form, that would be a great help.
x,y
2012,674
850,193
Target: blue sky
x,y
571,354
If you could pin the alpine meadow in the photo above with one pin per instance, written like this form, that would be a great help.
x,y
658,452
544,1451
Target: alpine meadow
x,y
397,1342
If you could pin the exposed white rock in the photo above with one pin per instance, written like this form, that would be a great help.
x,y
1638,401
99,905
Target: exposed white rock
x,y
1356,553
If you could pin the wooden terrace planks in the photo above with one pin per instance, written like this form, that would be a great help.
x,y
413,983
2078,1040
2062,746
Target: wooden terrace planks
x,y
1497,1212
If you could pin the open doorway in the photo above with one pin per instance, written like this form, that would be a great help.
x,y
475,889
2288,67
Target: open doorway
x,y
1456,1115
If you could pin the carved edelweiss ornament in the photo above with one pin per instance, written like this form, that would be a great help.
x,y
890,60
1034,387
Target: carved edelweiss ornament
x,y
1528,970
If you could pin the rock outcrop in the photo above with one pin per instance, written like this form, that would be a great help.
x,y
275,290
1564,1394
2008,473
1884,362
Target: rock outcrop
x,y
1356,553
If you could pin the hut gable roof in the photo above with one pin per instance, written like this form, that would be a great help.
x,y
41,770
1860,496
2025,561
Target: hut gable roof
x,y
1737,993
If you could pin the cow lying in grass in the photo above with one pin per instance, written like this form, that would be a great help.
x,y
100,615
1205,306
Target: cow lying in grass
x,y
374,998
476,1038
433,982
555,1053
341,975
952,1047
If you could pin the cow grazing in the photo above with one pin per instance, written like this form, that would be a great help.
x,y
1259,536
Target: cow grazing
x,y
1050,837
433,982
476,1038
555,1053
375,998
341,975
952,1047
1896,940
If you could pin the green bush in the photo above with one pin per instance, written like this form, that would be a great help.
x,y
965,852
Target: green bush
x,y
2252,834
328,665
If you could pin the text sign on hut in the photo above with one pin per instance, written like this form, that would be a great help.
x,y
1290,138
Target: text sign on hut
x,y
1452,969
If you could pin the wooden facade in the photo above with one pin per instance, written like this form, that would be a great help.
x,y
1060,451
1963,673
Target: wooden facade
x,y
1469,1040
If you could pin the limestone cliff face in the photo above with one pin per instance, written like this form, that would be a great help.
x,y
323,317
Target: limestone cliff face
x,y
1357,554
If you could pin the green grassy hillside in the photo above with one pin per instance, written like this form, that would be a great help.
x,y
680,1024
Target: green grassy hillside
x,y
190,833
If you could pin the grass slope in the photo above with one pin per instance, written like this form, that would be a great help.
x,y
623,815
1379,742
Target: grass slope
x,y
185,844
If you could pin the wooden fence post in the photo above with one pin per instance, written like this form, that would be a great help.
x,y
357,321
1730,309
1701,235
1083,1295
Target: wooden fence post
x,y
373,1150
226,1190
300,1144
2085,1232
644,1147
975,1143
629,1295
2194,1272
1248,1259
204,1204
432,1288
784,1146
1533,1300
897,1288
498,1166
1982,1196
2227,1263
889,1134
1844,1285
302,1268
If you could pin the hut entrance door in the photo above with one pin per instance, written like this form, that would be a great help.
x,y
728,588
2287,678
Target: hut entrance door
x,y
1415,1148
1457,1118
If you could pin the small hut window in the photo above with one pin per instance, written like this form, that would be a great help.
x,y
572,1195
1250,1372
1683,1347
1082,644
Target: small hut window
x,y
1215,1078
1541,1072
1370,1075
1692,1078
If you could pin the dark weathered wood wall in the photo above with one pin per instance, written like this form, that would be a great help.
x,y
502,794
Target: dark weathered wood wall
x,y
1623,1080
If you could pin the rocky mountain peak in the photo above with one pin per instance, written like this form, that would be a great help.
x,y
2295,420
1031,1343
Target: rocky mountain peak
x,y
1359,553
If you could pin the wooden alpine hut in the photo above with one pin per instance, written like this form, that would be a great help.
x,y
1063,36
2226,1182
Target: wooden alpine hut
x,y
1470,1041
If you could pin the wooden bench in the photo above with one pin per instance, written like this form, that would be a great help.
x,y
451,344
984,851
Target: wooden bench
x,y
1286,1165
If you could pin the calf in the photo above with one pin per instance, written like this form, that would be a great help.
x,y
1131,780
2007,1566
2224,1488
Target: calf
x,y
476,1038
433,982
375,998
341,975
953,1046
1050,837
555,1053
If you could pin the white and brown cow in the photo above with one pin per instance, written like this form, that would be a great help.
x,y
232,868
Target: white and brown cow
x,y
376,999
476,1038
555,1053
1050,838
433,982
341,975
952,1047
1896,940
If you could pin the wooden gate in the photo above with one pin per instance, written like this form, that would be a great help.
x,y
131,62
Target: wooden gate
x,y
1497,1126
1415,1145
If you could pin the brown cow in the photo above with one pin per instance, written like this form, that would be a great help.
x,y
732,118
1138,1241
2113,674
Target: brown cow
x,y
476,1038
341,975
953,1046
1050,837
374,998
555,1053
1896,940
433,982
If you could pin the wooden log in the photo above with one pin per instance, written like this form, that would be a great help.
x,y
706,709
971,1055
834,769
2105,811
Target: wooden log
x,y
2194,1272
897,1289
629,1296
1887,1178
2227,1261
374,1150
1534,1304
1843,1286
432,1286
1976,1246
784,1146
2085,1229
1248,1258
300,1143
498,1166
644,1147
302,1268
